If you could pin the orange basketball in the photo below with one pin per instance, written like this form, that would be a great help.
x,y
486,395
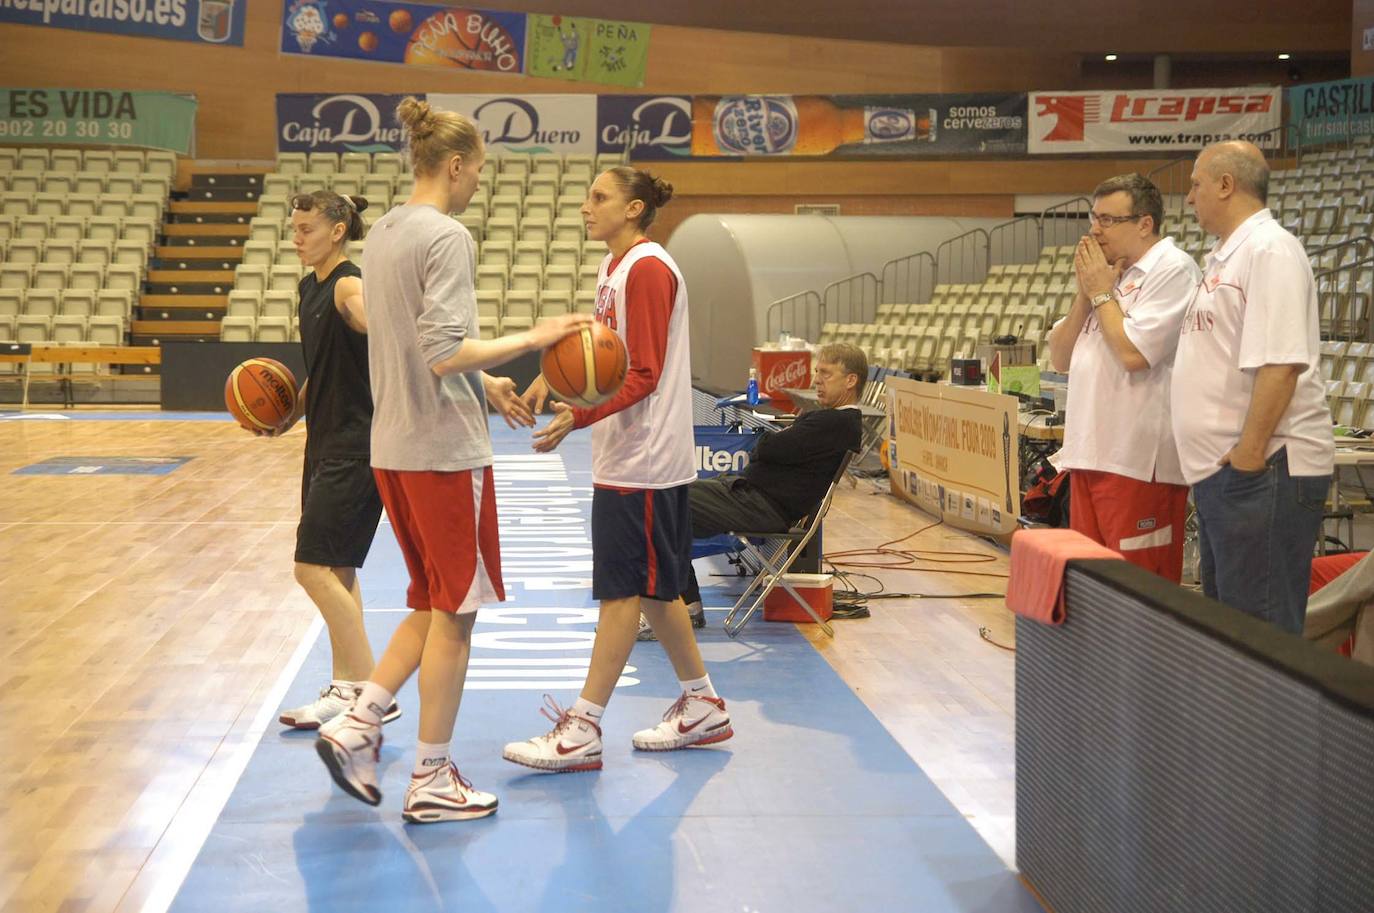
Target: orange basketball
x,y
261,394
586,368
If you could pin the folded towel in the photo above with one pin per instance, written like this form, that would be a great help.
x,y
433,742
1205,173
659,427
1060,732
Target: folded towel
x,y
1038,556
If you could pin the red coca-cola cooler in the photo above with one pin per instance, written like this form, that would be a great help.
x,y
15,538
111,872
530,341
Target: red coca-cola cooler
x,y
779,368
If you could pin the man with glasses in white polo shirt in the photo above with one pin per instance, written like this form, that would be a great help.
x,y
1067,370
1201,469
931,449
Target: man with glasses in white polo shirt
x,y
1117,344
1249,405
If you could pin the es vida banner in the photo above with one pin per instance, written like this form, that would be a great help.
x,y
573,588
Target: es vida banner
x,y
153,120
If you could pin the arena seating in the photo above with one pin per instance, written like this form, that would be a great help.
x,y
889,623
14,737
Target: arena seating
x,y
1327,200
533,259
76,231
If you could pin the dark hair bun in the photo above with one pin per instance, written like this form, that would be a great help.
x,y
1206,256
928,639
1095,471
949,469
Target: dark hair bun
x,y
359,203
663,192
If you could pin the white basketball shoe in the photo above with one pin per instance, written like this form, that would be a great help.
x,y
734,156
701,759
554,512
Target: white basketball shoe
x,y
444,794
350,747
574,743
334,699
692,720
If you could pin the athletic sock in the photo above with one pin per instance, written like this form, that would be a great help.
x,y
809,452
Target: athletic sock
x,y
587,710
429,756
347,689
372,702
699,687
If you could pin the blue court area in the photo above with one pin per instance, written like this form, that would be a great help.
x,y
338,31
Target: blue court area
x,y
812,806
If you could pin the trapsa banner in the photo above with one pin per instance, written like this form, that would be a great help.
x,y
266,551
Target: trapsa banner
x,y
409,33
1160,120
899,126
1325,111
338,123
954,453
559,124
587,50
154,120
654,127
212,21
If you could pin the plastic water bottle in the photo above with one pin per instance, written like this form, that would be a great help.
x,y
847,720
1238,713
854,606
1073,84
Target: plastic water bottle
x,y
751,394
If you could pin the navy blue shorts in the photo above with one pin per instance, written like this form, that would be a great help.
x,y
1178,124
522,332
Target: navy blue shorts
x,y
641,543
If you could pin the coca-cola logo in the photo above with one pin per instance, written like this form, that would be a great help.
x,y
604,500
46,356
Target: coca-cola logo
x,y
786,374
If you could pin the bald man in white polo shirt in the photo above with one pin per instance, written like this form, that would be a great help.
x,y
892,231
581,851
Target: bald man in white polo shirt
x,y
1249,405
1117,345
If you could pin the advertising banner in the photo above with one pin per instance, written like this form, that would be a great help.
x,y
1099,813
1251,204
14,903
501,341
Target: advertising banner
x,y
954,453
718,452
409,33
587,50
903,126
559,124
655,127
156,120
1162,120
338,123
212,21
1326,111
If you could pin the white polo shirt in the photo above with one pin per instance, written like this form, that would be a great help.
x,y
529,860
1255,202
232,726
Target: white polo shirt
x,y
1118,420
1256,306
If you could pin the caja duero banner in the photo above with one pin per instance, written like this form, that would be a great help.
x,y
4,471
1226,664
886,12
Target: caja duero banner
x,y
409,33
156,120
344,122
209,21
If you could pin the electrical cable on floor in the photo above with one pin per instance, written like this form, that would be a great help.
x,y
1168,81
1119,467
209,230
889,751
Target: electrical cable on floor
x,y
986,634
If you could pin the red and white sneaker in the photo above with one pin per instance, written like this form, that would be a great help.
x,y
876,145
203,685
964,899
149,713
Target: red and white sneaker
x,y
444,795
335,698
573,744
349,747
692,720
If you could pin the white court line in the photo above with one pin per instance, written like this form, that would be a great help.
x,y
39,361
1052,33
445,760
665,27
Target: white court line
x,y
189,836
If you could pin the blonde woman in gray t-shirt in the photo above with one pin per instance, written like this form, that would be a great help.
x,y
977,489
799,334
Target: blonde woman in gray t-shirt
x,y
431,454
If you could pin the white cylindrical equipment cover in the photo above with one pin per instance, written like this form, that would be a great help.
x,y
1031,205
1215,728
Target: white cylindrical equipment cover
x,y
736,266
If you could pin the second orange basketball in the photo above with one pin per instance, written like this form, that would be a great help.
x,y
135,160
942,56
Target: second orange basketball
x,y
586,368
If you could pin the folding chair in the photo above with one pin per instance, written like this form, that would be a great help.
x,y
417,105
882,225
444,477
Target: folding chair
x,y
775,553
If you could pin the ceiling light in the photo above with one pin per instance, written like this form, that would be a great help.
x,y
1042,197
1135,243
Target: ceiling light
x,y
1284,56
1110,57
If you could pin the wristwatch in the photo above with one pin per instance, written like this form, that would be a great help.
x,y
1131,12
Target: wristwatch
x,y
1099,300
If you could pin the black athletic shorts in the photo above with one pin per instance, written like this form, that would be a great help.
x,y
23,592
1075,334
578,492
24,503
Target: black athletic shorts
x,y
340,509
641,543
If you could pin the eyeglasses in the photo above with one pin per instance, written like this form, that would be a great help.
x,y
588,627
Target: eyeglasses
x,y
1108,221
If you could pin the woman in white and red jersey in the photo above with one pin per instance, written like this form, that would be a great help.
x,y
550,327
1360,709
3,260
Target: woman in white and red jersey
x,y
641,467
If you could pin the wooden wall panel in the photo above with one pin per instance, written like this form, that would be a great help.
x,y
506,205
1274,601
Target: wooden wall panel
x,y
1362,18
237,86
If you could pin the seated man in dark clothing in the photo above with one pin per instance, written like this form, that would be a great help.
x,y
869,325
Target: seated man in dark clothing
x,y
789,471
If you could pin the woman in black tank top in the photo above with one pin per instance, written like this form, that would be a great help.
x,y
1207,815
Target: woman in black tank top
x,y
340,506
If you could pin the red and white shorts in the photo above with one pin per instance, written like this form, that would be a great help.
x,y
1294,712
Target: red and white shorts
x,y
446,525
1142,520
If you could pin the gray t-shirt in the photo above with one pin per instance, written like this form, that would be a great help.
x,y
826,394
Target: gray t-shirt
x,y
418,269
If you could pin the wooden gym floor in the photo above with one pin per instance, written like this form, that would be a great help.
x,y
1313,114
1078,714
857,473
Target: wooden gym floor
x,y
147,622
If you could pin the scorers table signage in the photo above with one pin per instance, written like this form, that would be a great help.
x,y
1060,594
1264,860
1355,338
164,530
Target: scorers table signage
x,y
156,120
955,453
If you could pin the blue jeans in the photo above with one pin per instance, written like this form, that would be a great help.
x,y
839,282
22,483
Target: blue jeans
x,y
1256,533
